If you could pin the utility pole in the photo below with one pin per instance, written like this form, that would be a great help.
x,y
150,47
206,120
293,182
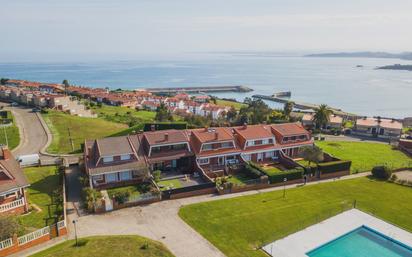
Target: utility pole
x,y
5,136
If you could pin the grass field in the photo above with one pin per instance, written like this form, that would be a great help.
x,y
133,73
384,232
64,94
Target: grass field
x,y
239,226
102,246
365,156
80,129
123,114
44,197
133,190
12,132
225,103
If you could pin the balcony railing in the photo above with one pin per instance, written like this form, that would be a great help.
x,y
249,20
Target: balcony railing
x,y
11,205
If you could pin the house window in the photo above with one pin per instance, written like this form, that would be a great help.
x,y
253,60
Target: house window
x,y
250,143
293,138
204,161
98,177
179,147
247,157
227,145
125,157
112,177
107,159
265,141
207,147
125,175
156,149
285,139
302,137
269,154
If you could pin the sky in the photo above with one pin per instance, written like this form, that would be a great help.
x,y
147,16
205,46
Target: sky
x,y
49,29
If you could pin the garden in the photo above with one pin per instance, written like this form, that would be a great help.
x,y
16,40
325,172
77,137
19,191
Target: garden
x,y
266,217
44,196
365,155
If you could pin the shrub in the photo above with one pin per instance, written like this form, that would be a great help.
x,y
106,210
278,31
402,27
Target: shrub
x,y
335,166
382,172
121,197
289,175
9,225
252,171
156,175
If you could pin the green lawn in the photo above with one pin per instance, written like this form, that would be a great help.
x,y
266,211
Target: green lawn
x,y
238,226
271,170
104,246
171,183
134,190
12,132
123,114
44,195
80,129
225,103
365,156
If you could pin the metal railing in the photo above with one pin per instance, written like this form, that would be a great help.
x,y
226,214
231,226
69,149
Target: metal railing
x,y
33,235
12,205
6,244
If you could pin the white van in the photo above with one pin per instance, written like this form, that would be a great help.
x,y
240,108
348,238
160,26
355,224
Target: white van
x,y
29,160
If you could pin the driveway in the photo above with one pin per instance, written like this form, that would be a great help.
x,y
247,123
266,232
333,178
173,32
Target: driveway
x,y
32,135
160,221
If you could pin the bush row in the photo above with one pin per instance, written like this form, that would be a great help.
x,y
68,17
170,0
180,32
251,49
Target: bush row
x,y
296,173
335,166
253,170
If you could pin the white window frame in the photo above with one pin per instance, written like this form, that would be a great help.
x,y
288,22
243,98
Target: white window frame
x,y
265,141
203,161
251,143
128,177
204,149
108,175
247,157
125,157
108,159
229,145
269,154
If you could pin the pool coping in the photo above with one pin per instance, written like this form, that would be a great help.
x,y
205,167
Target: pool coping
x,y
315,236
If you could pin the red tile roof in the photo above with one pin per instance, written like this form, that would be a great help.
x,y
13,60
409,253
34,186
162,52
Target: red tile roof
x,y
170,136
249,132
290,129
207,135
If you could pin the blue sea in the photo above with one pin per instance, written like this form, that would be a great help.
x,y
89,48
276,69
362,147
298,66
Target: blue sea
x,y
333,81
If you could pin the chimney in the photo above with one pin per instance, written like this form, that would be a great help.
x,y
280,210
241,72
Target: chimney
x,y
216,135
6,153
166,136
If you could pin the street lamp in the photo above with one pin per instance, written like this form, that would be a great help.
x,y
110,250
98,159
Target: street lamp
x,y
75,232
284,187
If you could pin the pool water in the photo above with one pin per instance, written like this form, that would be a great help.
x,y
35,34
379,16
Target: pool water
x,y
362,242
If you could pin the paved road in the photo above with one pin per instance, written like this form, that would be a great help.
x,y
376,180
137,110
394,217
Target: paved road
x,y
32,134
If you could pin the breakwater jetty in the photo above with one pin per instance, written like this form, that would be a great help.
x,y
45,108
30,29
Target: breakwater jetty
x,y
300,105
202,89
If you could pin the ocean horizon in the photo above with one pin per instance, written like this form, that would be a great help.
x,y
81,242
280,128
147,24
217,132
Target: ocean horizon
x,y
337,82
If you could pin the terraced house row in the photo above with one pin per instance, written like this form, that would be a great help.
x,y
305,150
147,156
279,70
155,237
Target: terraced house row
x,y
208,152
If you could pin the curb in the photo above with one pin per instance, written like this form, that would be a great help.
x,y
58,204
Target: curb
x,y
43,151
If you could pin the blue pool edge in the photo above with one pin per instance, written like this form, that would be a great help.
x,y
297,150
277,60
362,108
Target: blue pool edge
x,y
361,227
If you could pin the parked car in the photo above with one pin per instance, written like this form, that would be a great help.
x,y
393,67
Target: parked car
x,y
14,104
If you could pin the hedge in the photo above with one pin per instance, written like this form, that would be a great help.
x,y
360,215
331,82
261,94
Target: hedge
x,y
293,174
252,171
335,166
164,126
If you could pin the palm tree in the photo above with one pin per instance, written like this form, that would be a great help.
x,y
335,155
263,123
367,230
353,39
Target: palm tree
x,y
288,108
322,116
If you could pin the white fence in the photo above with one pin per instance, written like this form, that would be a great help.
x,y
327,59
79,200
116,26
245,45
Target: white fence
x,y
11,205
33,235
6,243
61,224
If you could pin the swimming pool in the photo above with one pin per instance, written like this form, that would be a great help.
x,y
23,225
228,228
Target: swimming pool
x,y
362,242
